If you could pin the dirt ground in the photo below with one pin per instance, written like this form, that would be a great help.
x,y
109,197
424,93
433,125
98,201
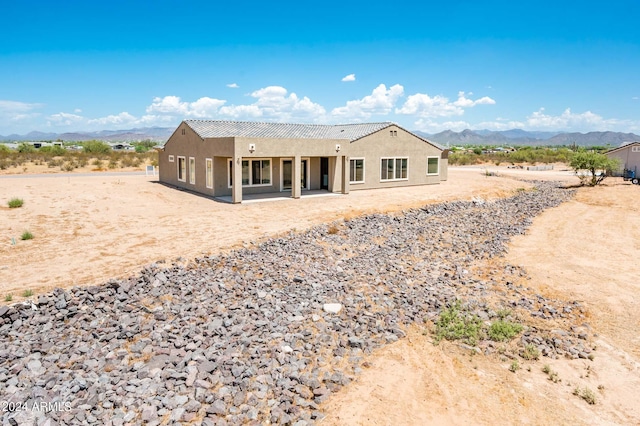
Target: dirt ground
x,y
89,228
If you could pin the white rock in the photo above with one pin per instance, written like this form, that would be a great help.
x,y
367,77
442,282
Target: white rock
x,y
332,308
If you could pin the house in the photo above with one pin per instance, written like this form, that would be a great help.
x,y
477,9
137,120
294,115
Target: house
x,y
629,155
222,158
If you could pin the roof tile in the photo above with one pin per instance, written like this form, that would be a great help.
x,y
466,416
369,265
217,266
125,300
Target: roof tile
x,y
219,129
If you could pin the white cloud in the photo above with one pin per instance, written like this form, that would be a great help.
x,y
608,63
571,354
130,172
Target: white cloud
x,y
124,118
468,103
569,120
423,105
14,112
64,119
275,104
380,102
77,110
233,85
430,126
17,107
202,108
350,77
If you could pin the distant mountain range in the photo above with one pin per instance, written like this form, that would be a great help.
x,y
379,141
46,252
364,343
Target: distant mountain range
x,y
512,137
517,137
156,134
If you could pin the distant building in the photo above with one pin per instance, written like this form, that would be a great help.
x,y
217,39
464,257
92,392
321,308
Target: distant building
x,y
222,158
629,155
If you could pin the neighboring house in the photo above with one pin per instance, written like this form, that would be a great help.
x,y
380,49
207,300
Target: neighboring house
x,y
222,158
629,155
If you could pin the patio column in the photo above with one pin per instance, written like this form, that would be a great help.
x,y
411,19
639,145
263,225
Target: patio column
x,y
346,175
296,177
236,184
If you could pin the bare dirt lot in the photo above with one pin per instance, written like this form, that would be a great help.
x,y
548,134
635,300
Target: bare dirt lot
x,y
88,229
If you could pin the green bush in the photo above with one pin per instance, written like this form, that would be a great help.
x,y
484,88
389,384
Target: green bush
x,y
14,203
501,331
54,150
96,147
592,167
24,148
456,324
27,293
26,235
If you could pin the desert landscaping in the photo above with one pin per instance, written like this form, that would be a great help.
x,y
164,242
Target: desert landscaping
x,y
140,261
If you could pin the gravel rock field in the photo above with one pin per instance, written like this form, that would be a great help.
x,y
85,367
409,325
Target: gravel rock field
x,y
266,333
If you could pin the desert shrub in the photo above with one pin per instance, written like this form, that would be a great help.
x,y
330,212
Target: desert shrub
x,y
127,161
27,293
68,166
82,159
456,324
113,163
501,331
4,148
54,150
143,146
515,366
585,393
26,148
54,162
26,235
14,203
530,352
96,147
8,297
4,164
592,167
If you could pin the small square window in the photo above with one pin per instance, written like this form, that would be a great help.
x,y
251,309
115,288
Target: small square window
x,y
171,159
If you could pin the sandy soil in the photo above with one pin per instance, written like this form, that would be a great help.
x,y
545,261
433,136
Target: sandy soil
x,y
91,227
88,229
582,250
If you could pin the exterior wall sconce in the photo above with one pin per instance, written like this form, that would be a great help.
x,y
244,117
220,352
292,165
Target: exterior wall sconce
x,y
338,147
252,147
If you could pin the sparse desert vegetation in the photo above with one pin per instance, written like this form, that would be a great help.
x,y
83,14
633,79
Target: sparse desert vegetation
x,y
442,372
14,203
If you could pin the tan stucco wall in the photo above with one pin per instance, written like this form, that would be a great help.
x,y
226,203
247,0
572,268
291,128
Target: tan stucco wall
x,y
627,157
382,145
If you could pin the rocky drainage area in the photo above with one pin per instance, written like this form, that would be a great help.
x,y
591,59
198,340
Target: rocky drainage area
x,y
266,333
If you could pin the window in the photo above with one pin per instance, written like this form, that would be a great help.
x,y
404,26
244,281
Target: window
x,y
357,170
432,165
254,172
171,160
635,149
182,169
393,168
209,169
393,132
183,131
192,170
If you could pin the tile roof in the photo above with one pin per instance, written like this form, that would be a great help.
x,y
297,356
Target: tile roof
x,y
218,129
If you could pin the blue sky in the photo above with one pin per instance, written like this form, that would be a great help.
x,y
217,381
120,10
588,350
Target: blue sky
x,y
88,65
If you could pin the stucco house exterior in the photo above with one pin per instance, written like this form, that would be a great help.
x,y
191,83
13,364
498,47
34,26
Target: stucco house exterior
x,y
222,158
629,155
